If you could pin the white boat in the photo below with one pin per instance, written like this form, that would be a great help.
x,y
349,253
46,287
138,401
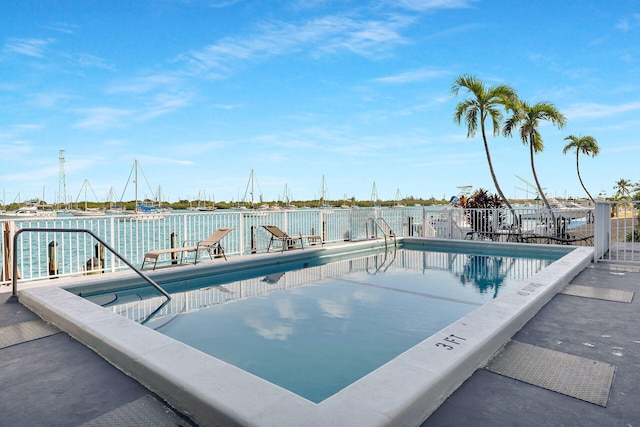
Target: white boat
x,y
28,212
204,207
141,212
399,198
87,210
253,181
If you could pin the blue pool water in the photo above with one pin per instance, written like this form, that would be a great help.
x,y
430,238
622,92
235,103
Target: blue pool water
x,y
315,329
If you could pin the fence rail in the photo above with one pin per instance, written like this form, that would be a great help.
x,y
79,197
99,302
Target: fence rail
x,y
132,237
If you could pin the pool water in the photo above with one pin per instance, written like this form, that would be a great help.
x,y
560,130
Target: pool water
x,y
315,330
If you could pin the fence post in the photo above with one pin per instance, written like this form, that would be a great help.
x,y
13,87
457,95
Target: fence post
x,y
53,259
174,244
601,230
253,239
100,255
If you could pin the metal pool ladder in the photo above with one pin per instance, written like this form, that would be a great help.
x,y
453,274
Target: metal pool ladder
x,y
387,232
75,230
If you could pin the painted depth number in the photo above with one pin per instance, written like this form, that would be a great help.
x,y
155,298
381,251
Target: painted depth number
x,y
450,342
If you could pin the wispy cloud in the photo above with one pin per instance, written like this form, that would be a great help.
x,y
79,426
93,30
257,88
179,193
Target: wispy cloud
x,y
594,110
48,100
228,106
88,60
144,84
61,27
163,104
15,131
166,160
411,76
29,176
422,5
222,4
29,47
154,106
628,24
325,35
102,117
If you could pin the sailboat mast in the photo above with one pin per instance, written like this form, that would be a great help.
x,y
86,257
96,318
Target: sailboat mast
x,y
135,180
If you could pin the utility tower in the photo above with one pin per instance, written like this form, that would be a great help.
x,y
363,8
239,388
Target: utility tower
x,y
62,184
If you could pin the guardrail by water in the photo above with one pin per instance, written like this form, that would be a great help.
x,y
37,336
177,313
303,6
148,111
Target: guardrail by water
x,y
133,237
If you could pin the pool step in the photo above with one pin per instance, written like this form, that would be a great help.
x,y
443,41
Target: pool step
x,y
19,333
573,376
606,294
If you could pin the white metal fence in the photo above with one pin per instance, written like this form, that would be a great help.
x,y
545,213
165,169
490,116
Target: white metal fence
x,y
50,254
618,232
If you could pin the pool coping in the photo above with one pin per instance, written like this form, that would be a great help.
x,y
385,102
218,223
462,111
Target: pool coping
x,y
404,391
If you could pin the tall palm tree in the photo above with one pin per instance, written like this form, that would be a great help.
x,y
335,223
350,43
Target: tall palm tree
x,y
484,102
527,118
586,145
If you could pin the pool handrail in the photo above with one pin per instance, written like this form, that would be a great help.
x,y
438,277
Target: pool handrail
x,y
390,231
14,279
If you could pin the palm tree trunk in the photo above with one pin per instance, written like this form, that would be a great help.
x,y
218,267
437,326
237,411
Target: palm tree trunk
x,y
493,175
580,178
535,177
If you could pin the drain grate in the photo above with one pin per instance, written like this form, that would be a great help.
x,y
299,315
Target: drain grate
x,y
25,331
574,376
598,293
146,411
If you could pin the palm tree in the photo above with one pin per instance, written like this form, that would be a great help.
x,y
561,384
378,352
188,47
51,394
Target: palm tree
x,y
527,119
484,102
622,187
586,145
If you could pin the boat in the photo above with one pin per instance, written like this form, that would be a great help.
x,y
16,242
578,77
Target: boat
x,y
253,182
140,212
287,198
399,198
375,200
28,212
205,207
87,210
324,192
113,209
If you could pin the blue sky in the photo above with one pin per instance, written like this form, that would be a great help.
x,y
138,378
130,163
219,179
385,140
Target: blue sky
x,y
202,92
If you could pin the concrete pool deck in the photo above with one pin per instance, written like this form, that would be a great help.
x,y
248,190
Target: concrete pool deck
x,y
39,381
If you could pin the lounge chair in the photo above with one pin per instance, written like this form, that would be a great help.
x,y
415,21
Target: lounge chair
x,y
286,240
211,244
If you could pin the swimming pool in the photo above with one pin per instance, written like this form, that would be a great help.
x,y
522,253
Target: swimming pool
x,y
404,390
315,329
